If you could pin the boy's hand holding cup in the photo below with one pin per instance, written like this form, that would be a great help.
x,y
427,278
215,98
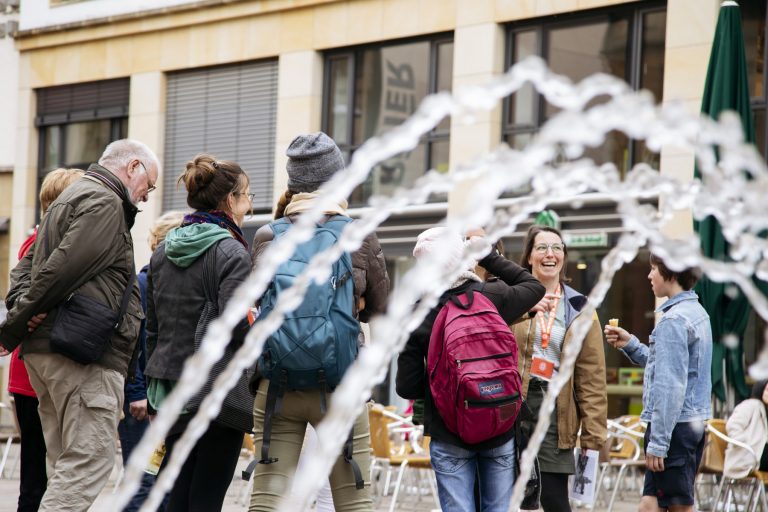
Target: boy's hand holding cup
x,y
615,335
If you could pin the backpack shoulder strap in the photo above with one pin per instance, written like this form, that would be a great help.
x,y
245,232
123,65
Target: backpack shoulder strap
x,y
336,223
210,279
280,226
469,292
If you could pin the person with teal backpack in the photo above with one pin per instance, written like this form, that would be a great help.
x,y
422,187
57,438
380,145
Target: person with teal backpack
x,y
306,358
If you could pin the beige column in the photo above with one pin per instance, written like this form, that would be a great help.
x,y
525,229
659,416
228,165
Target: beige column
x,y
146,122
299,105
478,56
25,169
690,30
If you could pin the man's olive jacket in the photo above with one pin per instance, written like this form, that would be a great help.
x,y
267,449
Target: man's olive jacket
x,y
83,246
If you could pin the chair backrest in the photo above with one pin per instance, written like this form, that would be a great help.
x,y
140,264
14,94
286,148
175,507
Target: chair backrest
x,y
714,449
625,435
380,443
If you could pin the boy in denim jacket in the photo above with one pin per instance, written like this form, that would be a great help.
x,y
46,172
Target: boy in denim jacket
x,y
676,388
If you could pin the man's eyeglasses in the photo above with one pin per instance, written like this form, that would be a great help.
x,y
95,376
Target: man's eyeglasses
x,y
150,186
542,248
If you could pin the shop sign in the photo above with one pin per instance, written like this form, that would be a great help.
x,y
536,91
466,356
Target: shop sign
x,y
597,239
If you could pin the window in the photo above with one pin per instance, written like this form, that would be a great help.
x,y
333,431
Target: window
x,y
76,122
228,111
754,21
625,42
753,15
371,89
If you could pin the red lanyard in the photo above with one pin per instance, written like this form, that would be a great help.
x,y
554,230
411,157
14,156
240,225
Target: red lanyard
x,y
546,327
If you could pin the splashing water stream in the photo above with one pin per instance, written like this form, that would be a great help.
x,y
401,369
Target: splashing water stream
x,y
733,189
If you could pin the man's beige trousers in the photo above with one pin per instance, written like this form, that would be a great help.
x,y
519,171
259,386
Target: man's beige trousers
x,y
79,410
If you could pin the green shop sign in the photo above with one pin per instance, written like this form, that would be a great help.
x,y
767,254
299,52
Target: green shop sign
x,y
597,239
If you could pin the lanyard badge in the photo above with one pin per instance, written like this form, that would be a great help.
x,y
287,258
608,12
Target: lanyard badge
x,y
545,327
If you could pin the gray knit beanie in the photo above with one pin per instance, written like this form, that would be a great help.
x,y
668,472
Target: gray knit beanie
x,y
312,160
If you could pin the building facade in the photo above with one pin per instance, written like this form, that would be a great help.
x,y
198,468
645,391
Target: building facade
x,y
241,78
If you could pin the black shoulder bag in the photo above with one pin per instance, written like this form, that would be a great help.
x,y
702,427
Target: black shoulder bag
x,y
83,327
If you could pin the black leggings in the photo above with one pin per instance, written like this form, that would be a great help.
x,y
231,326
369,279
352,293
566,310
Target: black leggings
x,y
206,474
33,477
554,492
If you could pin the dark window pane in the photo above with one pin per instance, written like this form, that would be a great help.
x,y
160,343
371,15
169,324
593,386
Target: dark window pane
x,y
760,130
338,110
753,21
615,148
645,155
52,152
581,51
444,80
390,84
86,141
523,102
399,171
438,155
652,63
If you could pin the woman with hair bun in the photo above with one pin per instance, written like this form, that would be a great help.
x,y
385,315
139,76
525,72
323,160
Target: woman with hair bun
x,y
208,238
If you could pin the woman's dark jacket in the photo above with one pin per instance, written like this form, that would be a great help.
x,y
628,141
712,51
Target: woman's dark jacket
x,y
136,388
515,292
175,300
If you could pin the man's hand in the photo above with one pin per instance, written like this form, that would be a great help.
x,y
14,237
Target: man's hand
x,y
138,409
616,336
654,463
35,321
3,351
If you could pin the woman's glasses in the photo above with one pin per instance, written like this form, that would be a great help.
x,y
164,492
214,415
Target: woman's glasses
x,y
542,248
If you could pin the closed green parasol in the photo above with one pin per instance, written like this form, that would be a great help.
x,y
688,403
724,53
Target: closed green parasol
x,y
726,88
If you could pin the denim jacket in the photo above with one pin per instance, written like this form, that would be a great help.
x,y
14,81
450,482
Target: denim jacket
x,y
677,386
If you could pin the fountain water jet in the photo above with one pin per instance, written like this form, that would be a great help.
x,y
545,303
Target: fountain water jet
x,y
722,192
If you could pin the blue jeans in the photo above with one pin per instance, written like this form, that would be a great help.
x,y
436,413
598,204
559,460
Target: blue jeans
x,y
456,468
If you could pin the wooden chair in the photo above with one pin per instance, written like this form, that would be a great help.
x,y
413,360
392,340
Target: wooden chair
x,y
754,482
382,423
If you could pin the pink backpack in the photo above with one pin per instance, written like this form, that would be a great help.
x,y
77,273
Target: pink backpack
x,y
472,365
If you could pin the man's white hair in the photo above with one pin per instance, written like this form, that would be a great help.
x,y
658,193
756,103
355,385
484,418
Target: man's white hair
x,y
119,153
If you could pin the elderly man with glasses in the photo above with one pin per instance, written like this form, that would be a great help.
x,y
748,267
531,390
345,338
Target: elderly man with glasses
x,y
83,255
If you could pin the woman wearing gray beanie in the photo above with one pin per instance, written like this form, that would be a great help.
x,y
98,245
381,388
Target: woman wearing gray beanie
x,y
312,160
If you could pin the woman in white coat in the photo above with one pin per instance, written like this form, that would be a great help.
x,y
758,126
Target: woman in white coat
x,y
748,424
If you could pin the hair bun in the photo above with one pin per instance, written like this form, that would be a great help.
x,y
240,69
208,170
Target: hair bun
x,y
199,173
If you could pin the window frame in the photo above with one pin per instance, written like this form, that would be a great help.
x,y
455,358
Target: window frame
x,y
353,56
634,13
760,103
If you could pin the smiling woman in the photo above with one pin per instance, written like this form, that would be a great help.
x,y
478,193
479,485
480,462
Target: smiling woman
x,y
542,337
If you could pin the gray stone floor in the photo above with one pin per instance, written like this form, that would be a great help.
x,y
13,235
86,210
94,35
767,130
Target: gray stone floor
x,y
408,502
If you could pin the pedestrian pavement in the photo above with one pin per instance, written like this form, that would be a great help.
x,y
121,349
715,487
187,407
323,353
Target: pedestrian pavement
x,y
237,496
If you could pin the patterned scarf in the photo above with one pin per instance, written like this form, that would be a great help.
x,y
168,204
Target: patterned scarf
x,y
218,217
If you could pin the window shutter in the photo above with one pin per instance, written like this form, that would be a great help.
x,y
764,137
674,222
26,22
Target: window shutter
x,y
83,102
230,112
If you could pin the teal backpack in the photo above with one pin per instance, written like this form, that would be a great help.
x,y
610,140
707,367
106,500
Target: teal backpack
x,y
318,340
